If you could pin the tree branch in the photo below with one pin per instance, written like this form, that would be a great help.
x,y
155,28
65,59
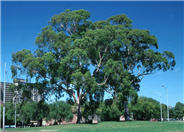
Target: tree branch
x,y
100,61
143,74
68,91
103,83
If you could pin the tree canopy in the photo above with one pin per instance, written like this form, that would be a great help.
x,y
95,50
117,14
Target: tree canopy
x,y
85,59
145,109
178,110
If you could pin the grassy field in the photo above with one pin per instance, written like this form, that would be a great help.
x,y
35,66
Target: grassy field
x,y
134,126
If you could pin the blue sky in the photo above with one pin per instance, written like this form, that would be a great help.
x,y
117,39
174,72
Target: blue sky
x,y
22,21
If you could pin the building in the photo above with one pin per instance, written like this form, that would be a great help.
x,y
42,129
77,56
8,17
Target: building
x,y
35,96
9,94
34,93
12,95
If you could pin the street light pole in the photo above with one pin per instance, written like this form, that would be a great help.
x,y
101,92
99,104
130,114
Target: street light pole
x,y
167,102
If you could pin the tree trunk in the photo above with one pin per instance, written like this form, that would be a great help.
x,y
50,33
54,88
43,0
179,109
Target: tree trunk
x,y
126,114
78,112
40,122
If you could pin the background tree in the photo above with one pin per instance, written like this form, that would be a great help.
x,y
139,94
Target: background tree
x,y
145,109
179,110
164,111
32,111
108,111
172,113
81,58
60,111
9,115
28,112
42,111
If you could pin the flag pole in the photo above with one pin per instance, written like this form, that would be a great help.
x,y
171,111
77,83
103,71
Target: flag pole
x,y
4,95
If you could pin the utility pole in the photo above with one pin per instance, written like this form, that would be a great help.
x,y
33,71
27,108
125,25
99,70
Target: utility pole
x,y
4,95
167,102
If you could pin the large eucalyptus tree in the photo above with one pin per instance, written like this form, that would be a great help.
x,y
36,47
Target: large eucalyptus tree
x,y
85,59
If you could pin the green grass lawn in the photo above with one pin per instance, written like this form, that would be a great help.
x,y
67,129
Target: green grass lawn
x,y
133,126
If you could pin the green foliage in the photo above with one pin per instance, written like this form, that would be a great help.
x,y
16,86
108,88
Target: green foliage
x,y
121,20
9,115
108,111
179,110
42,111
145,109
31,111
60,111
28,112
